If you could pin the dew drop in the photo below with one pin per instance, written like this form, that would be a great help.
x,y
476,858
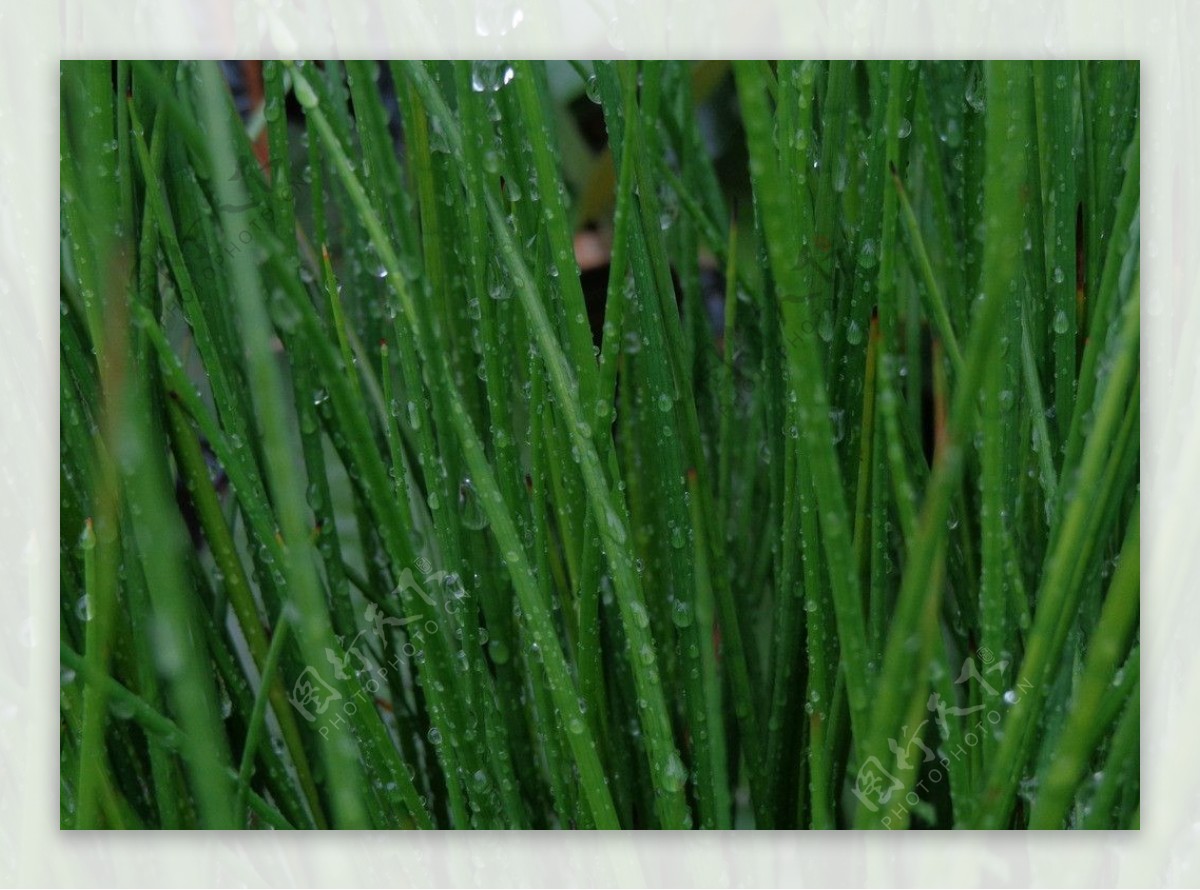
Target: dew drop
x,y
500,288
490,76
674,774
498,650
470,510
681,614
615,526
640,618
825,327
867,255
837,417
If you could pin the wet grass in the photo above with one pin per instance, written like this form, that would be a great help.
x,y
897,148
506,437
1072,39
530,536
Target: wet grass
x,y
819,510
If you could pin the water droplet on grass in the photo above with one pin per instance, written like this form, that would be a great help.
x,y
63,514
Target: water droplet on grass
x,y
470,510
498,650
490,76
500,289
837,417
867,255
825,327
640,618
615,526
681,614
974,92
841,171
674,774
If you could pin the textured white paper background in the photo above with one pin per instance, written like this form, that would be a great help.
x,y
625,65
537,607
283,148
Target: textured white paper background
x,y
1164,35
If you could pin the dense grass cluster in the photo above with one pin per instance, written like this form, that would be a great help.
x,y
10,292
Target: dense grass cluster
x,y
816,507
